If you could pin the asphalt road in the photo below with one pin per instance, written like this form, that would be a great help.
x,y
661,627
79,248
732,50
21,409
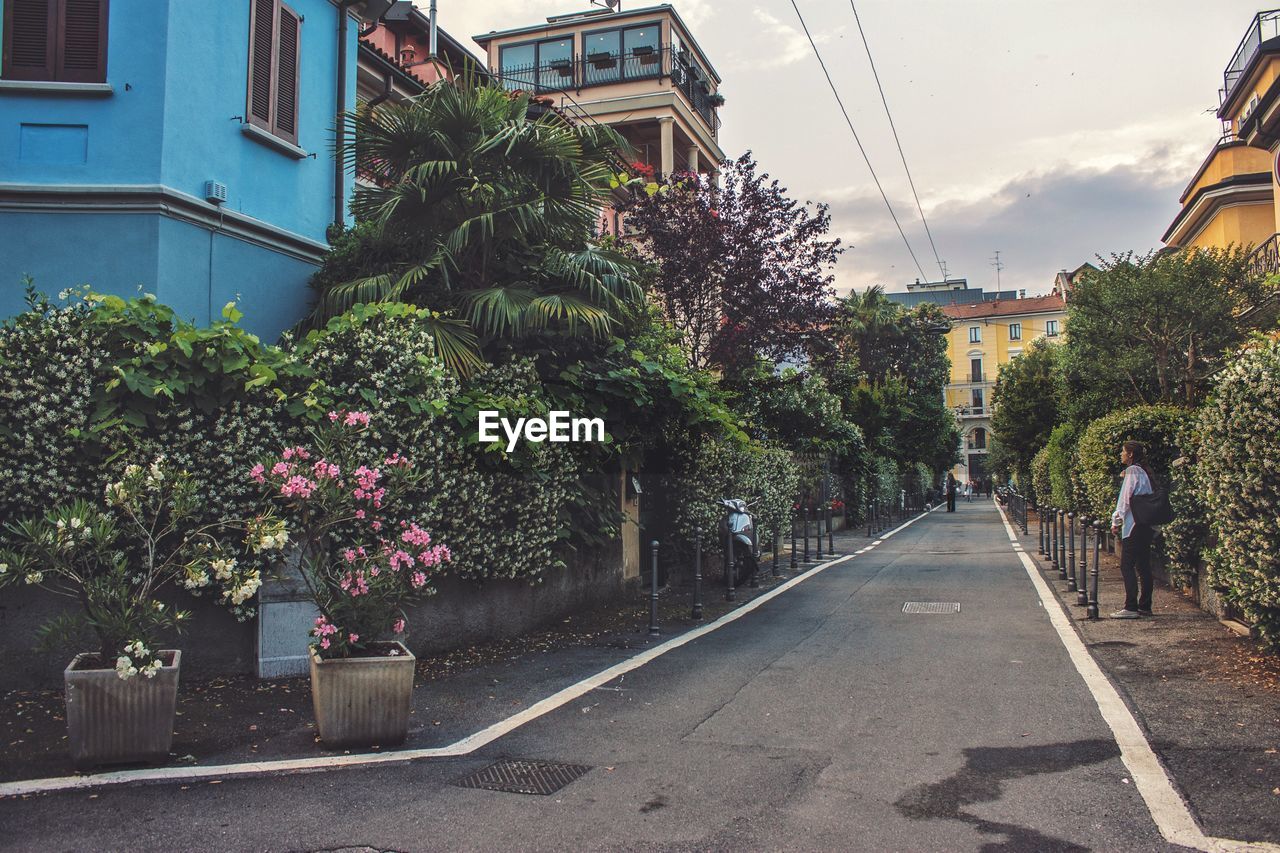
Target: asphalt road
x,y
825,720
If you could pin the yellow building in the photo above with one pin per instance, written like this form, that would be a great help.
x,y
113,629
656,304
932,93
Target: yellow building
x,y
983,336
640,71
1232,198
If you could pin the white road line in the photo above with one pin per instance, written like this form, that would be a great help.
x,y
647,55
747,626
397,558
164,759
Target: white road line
x,y
1168,810
459,748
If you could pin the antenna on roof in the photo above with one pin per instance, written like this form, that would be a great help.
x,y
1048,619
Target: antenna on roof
x,y
608,4
999,265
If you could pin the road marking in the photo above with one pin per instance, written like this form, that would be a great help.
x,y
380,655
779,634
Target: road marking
x,y
463,747
1168,810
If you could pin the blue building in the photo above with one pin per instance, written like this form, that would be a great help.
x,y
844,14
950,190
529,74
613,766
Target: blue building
x,y
180,147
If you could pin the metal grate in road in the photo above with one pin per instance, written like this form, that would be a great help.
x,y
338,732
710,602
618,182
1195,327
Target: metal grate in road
x,y
931,607
523,777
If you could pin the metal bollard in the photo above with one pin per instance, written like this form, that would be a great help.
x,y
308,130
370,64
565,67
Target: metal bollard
x,y
1022,502
1082,586
1062,545
869,531
731,568
653,592
1071,552
831,542
804,512
777,535
697,573
1040,528
817,539
794,561
1053,539
1092,609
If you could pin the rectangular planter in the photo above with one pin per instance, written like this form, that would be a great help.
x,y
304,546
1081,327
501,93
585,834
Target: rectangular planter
x,y
112,721
363,701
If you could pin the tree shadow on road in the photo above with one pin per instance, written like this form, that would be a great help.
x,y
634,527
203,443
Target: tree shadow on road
x,y
981,781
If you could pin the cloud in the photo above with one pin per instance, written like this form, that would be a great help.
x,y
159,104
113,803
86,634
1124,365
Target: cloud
x,y
1041,222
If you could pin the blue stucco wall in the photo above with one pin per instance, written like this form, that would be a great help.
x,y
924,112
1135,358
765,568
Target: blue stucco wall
x,y
179,76
190,267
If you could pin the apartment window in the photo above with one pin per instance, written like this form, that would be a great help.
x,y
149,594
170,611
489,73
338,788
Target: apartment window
x,y
1051,328
63,41
545,65
978,439
631,53
602,51
275,33
1015,331
975,334
975,368
976,399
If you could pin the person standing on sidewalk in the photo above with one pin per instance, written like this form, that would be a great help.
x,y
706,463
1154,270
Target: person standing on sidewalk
x,y
952,487
1135,548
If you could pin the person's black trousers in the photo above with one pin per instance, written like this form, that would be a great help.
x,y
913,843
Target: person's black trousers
x,y
951,501
1135,566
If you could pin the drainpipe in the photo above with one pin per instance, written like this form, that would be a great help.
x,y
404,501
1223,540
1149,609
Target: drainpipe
x,y
434,31
339,173
387,83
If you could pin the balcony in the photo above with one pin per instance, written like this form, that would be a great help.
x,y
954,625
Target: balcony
x,y
607,69
972,411
1265,26
1263,264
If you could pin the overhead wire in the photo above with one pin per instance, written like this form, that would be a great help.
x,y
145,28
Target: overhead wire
x,y
865,156
897,141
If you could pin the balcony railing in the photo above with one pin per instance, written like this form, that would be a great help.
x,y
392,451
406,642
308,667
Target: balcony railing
x,y
604,69
971,411
1264,261
1265,25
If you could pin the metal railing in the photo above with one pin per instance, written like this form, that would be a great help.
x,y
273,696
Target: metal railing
x,y
1264,261
608,68
1265,25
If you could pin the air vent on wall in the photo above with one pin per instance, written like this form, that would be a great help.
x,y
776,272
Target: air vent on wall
x,y
215,192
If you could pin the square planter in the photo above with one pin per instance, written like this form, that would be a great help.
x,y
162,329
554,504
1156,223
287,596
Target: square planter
x,y
363,701
112,721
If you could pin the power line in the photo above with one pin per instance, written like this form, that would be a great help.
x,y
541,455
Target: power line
x,y
849,122
897,141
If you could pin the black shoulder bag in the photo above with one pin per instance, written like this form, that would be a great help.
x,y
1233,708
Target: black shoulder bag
x,y
1152,509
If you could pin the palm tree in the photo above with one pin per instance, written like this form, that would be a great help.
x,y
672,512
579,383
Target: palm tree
x,y
871,323
489,215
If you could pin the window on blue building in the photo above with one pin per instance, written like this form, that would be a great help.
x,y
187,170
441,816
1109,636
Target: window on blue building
x,y
274,34
63,41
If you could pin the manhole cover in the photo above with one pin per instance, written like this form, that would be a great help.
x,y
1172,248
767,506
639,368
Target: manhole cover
x,y
931,607
523,777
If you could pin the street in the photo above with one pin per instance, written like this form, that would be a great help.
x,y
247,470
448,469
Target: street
x,y
826,719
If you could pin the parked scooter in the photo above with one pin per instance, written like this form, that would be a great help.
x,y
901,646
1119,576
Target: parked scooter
x,y
746,545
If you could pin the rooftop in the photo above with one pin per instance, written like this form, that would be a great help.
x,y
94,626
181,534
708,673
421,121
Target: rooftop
x,y
1006,307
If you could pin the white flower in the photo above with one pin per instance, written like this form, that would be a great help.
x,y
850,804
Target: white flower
x,y
34,577
4,567
125,668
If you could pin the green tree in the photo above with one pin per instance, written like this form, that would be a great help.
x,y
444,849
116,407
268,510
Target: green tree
x,y
1026,405
477,210
1148,329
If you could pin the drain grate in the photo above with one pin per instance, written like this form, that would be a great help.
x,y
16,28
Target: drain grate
x,y
523,777
931,607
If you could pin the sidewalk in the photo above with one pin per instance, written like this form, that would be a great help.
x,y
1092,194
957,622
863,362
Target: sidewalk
x,y
241,719
1208,698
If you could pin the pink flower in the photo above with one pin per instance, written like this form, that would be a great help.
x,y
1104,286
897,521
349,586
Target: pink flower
x,y
256,472
416,536
356,419
419,580
324,643
324,470
398,559
288,453
360,514
297,486
333,416
280,469
355,638
377,525
349,555
398,626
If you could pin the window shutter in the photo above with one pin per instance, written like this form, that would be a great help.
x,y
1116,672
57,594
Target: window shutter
x,y
82,51
30,29
286,115
261,52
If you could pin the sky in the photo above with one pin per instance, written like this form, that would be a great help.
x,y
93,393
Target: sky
x,y
1050,131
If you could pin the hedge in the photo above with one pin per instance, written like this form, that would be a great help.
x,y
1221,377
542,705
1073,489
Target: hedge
x,y
1157,427
1041,484
1238,478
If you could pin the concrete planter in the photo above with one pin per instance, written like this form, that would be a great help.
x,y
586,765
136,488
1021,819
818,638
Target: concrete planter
x,y
363,701
110,721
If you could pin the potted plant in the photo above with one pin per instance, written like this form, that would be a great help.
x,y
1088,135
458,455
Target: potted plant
x,y
115,558
715,99
363,560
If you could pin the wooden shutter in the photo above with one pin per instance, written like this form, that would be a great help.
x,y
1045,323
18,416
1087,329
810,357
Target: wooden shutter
x,y
262,39
30,39
82,47
286,116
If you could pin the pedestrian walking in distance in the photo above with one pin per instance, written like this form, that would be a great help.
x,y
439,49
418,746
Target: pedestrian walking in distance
x,y
1135,547
952,488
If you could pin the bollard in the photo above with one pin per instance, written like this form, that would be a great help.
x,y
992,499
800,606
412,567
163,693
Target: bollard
x,y
776,556
1053,539
653,592
831,542
1062,544
731,568
1092,609
1071,552
817,539
697,573
804,512
869,532
1082,587
1022,502
1040,528
793,541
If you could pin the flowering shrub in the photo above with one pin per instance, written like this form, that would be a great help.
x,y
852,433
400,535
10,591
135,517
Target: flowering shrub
x,y
362,557
1237,475
116,557
1041,482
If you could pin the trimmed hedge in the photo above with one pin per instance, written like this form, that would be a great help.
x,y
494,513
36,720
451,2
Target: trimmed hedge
x,y
1159,428
1062,460
1041,484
